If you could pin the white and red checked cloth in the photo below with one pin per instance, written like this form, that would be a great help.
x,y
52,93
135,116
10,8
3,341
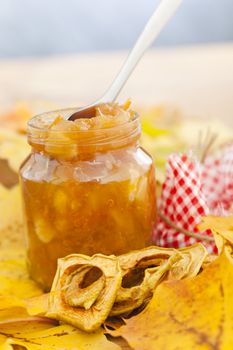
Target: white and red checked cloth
x,y
192,190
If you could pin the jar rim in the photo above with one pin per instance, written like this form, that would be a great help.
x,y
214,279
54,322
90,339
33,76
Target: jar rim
x,y
66,112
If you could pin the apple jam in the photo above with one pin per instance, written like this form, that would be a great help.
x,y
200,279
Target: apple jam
x,y
87,188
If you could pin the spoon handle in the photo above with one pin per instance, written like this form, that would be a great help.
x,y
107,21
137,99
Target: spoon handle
x,y
154,26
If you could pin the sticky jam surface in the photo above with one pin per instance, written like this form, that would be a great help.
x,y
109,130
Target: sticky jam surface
x,y
99,204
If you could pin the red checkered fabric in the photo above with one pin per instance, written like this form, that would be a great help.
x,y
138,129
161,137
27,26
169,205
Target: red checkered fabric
x,y
192,190
217,178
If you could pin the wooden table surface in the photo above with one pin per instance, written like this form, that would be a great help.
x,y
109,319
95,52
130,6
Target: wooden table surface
x,y
198,79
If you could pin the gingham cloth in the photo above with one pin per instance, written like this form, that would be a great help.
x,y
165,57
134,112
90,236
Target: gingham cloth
x,y
192,190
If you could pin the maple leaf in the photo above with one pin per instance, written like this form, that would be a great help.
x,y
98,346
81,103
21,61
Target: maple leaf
x,y
222,228
37,335
13,272
13,150
194,313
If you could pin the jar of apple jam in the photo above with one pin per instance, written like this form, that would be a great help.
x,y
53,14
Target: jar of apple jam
x,y
87,187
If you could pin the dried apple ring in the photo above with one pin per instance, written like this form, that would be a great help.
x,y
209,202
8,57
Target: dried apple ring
x,y
151,256
131,298
142,270
84,290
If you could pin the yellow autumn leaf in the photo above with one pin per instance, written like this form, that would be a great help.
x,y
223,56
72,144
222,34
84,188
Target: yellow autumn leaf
x,y
13,150
13,147
15,119
14,278
218,224
36,336
11,212
150,129
194,313
222,228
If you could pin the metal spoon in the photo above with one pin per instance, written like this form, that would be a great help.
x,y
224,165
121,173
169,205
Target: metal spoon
x,y
154,26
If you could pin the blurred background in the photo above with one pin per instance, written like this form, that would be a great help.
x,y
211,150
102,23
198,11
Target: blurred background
x,y
58,53
45,27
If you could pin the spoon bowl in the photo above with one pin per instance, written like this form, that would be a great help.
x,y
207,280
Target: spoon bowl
x,y
84,113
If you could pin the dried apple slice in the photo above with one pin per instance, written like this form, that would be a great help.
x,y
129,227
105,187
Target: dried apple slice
x,y
192,260
84,290
128,299
151,256
142,270
198,254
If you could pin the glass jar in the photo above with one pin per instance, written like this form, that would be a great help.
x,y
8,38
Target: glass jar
x,y
85,191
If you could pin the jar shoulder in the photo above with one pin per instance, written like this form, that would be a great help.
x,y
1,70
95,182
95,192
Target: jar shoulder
x,y
117,165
